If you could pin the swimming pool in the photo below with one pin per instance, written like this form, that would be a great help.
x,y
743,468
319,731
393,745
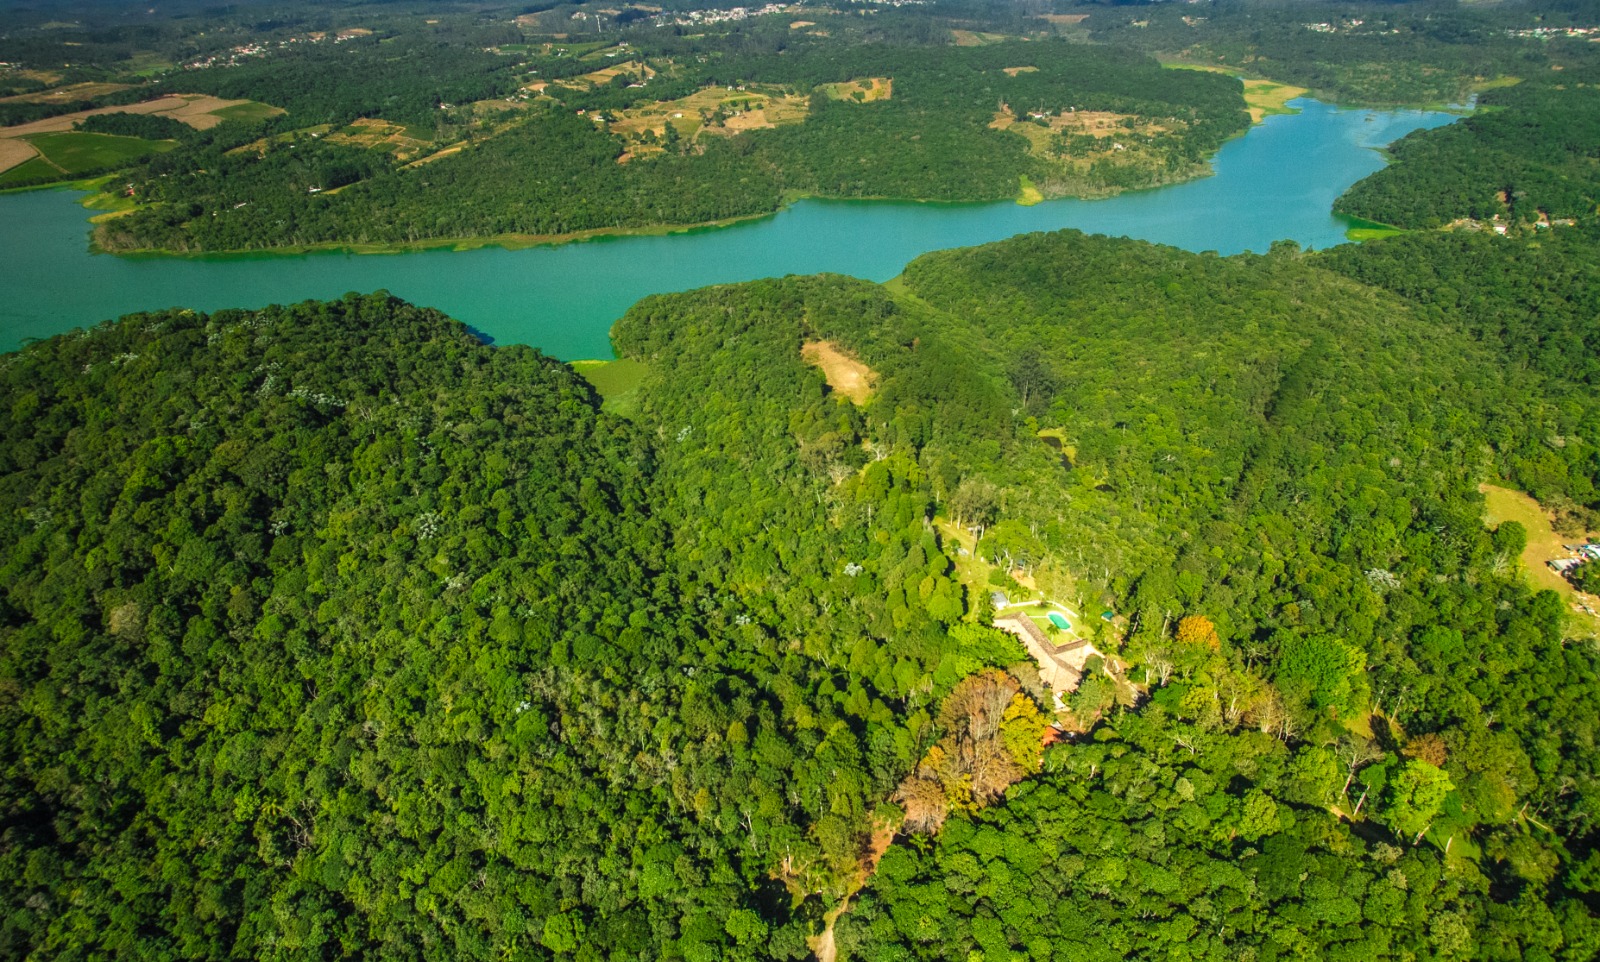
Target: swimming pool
x,y
1060,621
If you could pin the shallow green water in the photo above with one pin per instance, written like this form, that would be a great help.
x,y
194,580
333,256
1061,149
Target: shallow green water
x,y
1278,181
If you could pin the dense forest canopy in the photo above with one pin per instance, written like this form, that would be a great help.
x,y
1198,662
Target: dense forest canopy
x,y
401,648
328,631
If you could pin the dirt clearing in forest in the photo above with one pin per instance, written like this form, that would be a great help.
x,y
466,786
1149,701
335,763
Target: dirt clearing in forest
x,y
843,373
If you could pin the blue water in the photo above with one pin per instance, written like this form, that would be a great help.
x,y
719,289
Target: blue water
x,y
1278,181
1060,621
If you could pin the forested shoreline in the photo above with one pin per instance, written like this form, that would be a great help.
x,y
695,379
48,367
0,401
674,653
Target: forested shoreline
x,y
551,171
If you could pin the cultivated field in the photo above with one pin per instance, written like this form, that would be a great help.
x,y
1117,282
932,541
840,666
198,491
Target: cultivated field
x,y
42,147
35,168
597,78
73,152
246,110
973,38
199,111
84,91
14,153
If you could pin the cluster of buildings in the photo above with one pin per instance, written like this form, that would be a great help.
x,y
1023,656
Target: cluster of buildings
x,y
231,58
693,18
1581,554
1062,659
1551,33
1332,27
1346,26
702,17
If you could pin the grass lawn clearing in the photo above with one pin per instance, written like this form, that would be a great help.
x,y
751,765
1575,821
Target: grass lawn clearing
x,y
374,133
83,91
247,111
617,383
1544,545
1266,98
975,38
1365,230
713,111
1029,194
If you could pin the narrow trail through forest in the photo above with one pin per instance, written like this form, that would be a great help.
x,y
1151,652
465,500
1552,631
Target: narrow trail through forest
x,y
823,945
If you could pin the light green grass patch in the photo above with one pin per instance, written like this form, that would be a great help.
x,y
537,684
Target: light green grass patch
x,y
1266,98
110,201
247,112
597,54
1030,194
617,382
147,65
73,151
1371,233
1367,230
112,204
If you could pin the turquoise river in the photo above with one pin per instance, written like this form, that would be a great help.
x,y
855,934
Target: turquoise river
x,y
1278,181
